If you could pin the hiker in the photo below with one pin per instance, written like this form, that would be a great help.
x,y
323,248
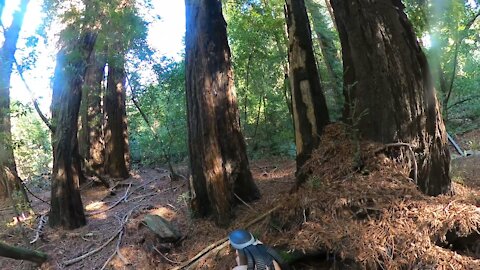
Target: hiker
x,y
253,254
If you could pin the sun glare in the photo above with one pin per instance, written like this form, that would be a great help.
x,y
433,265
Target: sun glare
x,y
165,36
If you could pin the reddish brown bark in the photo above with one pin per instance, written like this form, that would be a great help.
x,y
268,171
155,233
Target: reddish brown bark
x,y
387,78
117,154
90,134
218,159
66,203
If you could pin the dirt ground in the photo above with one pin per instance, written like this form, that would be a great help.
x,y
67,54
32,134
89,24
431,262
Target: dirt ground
x,y
153,193
150,191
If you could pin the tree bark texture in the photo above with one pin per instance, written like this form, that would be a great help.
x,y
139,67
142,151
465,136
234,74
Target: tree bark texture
x,y
10,183
18,253
218,159
66,203
310,111
389,92
325,37
117,154
90,134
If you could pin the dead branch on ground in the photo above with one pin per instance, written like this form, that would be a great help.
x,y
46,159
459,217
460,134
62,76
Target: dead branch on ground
x,y
117,233
165,257
38,231
123,198
222,243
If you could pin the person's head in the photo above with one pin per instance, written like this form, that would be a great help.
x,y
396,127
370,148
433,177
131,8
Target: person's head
x,y
240,239
252,252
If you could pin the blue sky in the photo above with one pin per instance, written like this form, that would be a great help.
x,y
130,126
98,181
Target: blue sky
x,y
165,36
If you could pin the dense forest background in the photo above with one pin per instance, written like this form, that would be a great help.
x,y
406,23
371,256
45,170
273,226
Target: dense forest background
x,y
258,40
247,87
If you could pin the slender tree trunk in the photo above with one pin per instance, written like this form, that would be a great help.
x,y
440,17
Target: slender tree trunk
x,y
281,41
218,159
325,39
10,183
90,134
66,203
390,94
310,111
117,154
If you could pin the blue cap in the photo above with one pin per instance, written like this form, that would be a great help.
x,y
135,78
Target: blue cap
x,y
240,239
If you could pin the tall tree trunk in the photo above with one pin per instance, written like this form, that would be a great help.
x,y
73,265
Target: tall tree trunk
x,y
90,134
325,37
310,111
117,154
66,203
218,159
10,184
390,95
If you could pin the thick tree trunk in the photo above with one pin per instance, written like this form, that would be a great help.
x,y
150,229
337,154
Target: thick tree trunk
x,y
117,154
18,253
66,203
90,134
218,159
389,92
310,111
10,184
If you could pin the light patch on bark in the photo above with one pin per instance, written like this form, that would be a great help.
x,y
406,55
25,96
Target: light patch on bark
x,y
298,59
298,134
119,88
307,99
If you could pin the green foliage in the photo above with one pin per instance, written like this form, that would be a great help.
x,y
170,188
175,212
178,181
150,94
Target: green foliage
x,y
454,56
259,51
31,142
165,106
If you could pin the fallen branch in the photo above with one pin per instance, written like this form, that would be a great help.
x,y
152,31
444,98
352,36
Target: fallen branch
x,y
165,257
222,242
117,233
38,231
123,198
31,193
245,203
92,171
117,250
19,253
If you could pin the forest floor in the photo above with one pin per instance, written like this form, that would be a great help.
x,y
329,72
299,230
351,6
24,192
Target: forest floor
x,y
342,218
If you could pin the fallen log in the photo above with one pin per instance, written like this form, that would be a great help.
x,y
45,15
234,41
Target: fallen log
x,y
19,253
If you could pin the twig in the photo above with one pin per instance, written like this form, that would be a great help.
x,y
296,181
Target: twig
x,y
142,196
117,233
248,205
123,198
116,250
39,229
222,242
165,257
75,260
143,185
31,193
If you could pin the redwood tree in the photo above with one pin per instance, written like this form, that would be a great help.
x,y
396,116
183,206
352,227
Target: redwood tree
x,y
66,203
10,182
90,134
310,113
218,159
389,92
117,154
